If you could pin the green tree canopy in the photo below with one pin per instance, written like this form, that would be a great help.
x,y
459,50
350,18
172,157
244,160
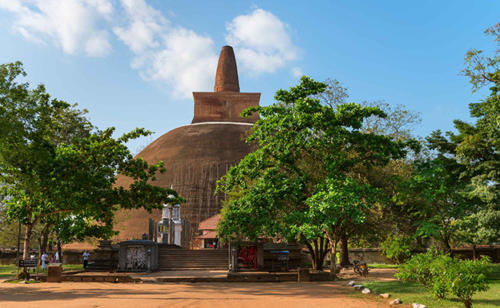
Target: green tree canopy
x,y
300,183
55,164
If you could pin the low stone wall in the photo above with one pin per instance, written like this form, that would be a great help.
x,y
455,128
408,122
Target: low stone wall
x,y
70,256
374,255
7,256
491,251
368,255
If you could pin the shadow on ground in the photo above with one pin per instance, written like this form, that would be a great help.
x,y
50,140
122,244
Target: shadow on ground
x,y
48,291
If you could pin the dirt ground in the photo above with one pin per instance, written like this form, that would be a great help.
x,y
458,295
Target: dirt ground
x,y
180,295
220,295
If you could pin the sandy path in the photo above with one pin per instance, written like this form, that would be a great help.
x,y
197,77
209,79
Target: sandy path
x,y
220,295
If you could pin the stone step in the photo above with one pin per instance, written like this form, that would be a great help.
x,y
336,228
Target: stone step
x,y
192,268
193,254
174,262
171,258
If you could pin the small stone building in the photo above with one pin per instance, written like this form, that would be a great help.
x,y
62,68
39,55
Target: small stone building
x,y
207,237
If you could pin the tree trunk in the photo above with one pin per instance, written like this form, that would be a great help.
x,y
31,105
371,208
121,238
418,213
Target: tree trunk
x,y
313,256
318,253
344,251
474,252
468,303
26,249
333,261
333,255
325,251
446,249
45,240
40,240
316,258
27,241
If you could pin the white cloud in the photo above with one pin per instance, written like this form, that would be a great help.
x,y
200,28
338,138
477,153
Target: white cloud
x,y
297,72
261,40
145,25
70,24
179,57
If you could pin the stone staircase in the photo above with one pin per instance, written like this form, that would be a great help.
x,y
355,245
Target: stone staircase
x,y
170,258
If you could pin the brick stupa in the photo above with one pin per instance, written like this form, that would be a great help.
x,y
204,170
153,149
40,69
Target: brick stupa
x,y
198,154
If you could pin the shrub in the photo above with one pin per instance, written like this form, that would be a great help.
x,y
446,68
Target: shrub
x,y
397,248
430,270
469,278
442,275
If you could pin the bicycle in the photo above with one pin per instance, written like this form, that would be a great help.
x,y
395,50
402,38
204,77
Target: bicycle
x,y
360,268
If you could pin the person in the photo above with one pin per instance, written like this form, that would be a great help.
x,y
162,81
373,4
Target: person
x,y
85,259
45,258
53,260
32,257
58,257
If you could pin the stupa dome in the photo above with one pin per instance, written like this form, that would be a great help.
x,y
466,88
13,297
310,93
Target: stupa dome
x,y
198,154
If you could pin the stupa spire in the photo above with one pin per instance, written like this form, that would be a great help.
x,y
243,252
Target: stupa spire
x,y
226,78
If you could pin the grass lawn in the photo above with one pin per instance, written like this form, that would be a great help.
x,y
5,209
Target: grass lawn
x,y
10,271
410,292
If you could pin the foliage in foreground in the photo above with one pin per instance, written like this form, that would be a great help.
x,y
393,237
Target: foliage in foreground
x,y
442,275
413,292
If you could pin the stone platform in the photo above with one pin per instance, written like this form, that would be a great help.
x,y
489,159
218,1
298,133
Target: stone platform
x,y
186,276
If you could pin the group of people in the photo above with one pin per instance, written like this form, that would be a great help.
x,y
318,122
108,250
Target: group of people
x,y
56,258
45,259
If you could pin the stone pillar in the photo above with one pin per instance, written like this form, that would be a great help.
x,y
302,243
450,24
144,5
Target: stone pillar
x,y
233,267
54,273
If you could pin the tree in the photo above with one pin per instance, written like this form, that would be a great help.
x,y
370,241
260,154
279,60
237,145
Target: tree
x,y
397,124
473,160
8,231
479,228
477,149
438,183
55,164
478,144
459,182
298,184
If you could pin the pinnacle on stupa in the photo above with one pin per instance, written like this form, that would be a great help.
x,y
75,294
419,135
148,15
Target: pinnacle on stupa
x,y
226,78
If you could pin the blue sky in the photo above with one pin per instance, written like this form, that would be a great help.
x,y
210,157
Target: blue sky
x,y
135,63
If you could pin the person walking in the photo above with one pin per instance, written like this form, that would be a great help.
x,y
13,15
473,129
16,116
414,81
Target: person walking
x,y
85,259
45,259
